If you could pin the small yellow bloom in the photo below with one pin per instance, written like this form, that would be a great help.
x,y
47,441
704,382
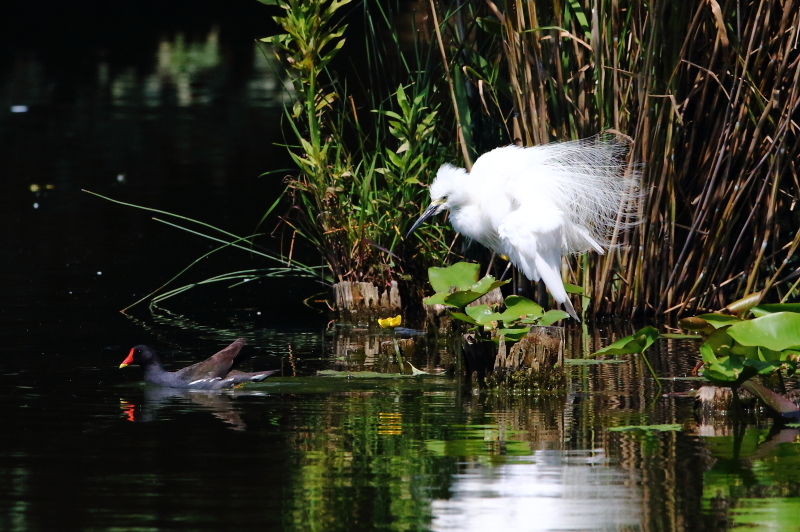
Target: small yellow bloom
x,y
390,322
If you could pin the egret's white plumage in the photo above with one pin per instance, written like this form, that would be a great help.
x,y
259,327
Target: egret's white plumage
x,y
536,204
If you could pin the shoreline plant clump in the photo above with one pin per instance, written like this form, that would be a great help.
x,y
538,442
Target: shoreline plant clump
x,y
706,96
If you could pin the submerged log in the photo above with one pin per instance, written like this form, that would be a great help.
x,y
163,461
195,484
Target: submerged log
x,y
360,300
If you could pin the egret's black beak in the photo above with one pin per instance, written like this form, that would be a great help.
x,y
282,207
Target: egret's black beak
x,y
432,209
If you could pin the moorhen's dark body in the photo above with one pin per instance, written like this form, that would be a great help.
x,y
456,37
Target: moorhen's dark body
x,y
212,374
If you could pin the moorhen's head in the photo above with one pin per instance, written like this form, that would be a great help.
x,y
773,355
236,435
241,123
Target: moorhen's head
x,y
141,355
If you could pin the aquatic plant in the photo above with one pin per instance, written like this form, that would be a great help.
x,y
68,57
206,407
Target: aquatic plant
x,y
707,95
735,349
458,285
359,174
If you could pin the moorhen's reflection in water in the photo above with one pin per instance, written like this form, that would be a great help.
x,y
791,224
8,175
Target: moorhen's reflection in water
x,y
219,403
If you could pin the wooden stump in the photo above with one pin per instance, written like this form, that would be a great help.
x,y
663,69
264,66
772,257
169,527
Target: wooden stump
x,y
364,301
536,362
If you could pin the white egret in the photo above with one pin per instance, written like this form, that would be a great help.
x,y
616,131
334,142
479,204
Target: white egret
x,y
535,205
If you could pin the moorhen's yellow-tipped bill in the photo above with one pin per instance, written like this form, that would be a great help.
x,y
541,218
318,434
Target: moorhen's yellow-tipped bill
x,y
212,374
128,361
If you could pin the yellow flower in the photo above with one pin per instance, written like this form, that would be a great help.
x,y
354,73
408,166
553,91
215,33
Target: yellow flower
x,y
390,322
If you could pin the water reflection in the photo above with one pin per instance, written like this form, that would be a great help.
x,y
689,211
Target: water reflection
x,y
221,404
551,490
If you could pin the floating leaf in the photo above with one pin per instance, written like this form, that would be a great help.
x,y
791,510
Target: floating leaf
x,y
518,307
772,308
648,428
696,324
483,315
636,343
415,371
776,331
462,298
514,334
719,320
463,317
436,299
590,361
359,374
460,275
552,316
741,306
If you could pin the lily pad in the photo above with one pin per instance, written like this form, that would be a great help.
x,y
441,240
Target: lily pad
x,y
776,331
648,428
360,374
763,310
514,334
483,315
518,307
636,343
460,275
552,316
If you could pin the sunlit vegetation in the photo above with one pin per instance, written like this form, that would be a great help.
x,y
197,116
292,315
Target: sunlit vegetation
x,y
707,94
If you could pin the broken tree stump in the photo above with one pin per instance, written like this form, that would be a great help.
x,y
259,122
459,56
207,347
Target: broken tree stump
x,y
535,363
364,301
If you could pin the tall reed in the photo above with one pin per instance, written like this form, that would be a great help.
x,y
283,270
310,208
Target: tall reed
x,y
709,94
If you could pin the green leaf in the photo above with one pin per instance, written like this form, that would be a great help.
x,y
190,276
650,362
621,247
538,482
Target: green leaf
x,y
591,361
674,336
552,316
515,333
482,314
460,275
462,298
463,317
648,428
436,299
776,331
636,343
518,307
719,320
490,25
574,289
763,310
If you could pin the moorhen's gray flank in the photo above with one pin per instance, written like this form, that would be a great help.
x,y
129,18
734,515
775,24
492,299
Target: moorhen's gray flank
x,y
212,374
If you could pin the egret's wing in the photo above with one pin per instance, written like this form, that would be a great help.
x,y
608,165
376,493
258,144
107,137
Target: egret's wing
x,y
533,239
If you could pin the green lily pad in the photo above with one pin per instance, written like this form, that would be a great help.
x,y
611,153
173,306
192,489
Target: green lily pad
x,y
360,374
436,299
518,307
590,361
776,331
552,316
719,320
462,298
636,343
514,334
763,310
460,275
463,317
483,315
648,428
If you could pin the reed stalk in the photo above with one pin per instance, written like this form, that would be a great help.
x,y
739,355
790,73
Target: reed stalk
x,y
709,94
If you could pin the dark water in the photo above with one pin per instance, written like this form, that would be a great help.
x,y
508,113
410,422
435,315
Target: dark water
x,y
173,108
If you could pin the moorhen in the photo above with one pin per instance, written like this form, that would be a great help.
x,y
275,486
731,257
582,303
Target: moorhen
x,y
212,374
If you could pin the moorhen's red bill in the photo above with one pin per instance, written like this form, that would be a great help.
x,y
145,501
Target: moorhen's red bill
x,y
212,374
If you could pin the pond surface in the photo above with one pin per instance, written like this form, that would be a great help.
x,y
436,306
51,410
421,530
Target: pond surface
x,y
184,118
